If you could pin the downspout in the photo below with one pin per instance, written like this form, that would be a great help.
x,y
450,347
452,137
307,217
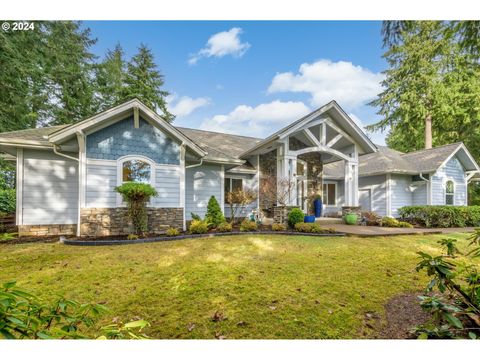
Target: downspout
x,y
194,165
55,147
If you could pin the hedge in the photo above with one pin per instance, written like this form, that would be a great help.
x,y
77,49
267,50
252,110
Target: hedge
x,y
433,216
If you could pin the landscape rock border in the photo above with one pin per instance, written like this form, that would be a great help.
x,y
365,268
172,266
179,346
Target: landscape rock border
x,y
186,236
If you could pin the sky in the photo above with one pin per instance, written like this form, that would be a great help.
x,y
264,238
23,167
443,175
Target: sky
x,y
253,78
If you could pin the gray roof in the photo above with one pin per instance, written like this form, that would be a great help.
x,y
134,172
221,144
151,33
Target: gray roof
x,y
387,160
38,134
227,147
219,145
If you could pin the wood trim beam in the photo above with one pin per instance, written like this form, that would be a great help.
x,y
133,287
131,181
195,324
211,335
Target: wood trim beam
x,y
334,140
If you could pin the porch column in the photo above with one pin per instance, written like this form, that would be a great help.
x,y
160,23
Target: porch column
x,y
286,172
351,183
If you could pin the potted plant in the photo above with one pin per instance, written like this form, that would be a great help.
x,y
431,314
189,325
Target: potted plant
x,y
350,218
317,205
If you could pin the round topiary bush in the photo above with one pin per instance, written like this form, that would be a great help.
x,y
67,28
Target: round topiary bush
x,y
136,195
295,216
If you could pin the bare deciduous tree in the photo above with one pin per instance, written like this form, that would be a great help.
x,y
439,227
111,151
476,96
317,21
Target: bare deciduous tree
x,y
238,199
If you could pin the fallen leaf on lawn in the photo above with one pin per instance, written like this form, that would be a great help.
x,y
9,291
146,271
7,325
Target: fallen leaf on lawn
x,y
218,316
242,323
272,307
219,336
190,326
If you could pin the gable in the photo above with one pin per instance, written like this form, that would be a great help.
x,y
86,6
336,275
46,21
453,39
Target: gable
x,y
122,139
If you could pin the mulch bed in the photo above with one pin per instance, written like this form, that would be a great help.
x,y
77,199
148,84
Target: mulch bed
x,y
35,239
403,313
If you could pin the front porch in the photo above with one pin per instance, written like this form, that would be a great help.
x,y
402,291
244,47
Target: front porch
x,y
291,163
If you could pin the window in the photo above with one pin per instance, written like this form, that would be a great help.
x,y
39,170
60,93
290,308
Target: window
x,y
136,171
329,194
233,184
449,192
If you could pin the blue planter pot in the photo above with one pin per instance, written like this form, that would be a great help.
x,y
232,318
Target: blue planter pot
x,y
317,205
309,218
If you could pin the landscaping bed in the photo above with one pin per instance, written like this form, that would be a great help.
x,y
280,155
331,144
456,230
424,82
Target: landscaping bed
x,y
123,240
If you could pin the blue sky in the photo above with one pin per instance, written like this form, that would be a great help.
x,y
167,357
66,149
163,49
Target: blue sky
x,y
252,78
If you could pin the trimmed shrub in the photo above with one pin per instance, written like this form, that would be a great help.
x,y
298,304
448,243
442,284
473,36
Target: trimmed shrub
x,y
132,237
303,227
404,224
198,227
295,216
432,216
214,215
172,232
279,227
311,228
371,218
136,195
224,227
390,222
248,225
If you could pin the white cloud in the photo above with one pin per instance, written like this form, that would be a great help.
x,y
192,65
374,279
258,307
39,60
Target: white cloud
x,y
185,105
222,44
259,121
350,85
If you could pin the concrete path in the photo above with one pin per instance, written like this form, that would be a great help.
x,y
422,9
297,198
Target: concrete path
x,y
366,231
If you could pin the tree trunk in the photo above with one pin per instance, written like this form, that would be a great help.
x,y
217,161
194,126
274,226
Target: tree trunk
x,y
428,131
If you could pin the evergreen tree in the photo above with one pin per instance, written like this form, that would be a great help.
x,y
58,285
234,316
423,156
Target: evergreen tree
x,y
69,67
110,79
214,215
143,81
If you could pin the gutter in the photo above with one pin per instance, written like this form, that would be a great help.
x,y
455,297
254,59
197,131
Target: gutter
x,y
194,165
57,147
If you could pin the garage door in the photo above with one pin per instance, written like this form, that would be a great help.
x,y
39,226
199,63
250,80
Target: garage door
x,y
365,199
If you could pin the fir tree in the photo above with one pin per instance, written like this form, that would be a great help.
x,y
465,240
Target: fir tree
x,y
214,215
143,81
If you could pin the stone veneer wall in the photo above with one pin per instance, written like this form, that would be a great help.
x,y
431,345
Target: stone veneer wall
x,y
280,214
114,221
47,230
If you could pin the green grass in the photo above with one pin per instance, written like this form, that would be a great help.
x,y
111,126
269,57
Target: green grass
x,y
266,286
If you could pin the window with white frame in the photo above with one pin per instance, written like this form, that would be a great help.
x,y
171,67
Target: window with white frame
x,y
330,194
449,192
136,170
233,184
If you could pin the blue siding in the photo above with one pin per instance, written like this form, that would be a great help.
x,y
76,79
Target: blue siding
x,y
249,181
121,139
419,195
378,192
400,191
201,182
452,170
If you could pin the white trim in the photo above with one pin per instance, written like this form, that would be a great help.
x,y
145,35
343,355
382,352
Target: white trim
x,y
100,162
388,188
19,188
323,139
444,181
326,182
311,137
121,160
81,177
258,182
330,123
454,152
125,109
322,149
182,184
31,144
222,188
334,140
136,118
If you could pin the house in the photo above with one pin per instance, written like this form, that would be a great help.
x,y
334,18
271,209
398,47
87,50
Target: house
x,y
66,174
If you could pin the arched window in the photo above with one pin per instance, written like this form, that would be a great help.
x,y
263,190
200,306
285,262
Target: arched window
x,y
136,170
449,192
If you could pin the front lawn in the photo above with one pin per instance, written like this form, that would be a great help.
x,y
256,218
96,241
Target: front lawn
x,y
264,286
